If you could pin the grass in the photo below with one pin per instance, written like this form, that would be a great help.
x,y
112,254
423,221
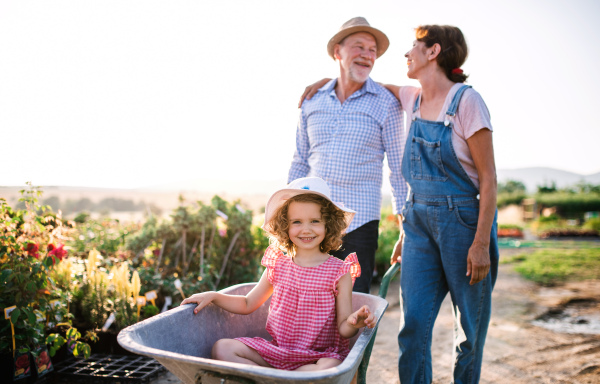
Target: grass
x,y
552,266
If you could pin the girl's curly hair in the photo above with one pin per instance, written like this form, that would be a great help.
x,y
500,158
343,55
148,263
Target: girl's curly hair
x,y
333,217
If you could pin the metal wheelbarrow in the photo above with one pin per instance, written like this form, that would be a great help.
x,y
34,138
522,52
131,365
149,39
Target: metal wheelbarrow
x,y
182,342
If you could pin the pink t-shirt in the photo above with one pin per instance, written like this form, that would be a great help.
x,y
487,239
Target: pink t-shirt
x,y
472,115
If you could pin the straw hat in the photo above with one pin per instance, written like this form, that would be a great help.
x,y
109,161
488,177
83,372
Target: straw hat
x,y
355,25
297,187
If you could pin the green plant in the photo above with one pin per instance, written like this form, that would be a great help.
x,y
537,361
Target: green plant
x,y
508,198
389,232
570,205
204,246
31,245
593,223
106,235
554,266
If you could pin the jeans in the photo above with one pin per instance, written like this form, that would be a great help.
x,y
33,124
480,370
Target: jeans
x,y
363,241
434,263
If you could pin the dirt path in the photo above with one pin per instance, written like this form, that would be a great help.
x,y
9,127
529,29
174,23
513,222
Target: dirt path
x,y
516,351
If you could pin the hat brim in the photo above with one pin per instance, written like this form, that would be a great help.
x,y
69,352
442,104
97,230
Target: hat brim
x,y
381,39
280,197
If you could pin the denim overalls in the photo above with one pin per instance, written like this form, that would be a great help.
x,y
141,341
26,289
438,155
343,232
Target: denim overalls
x,y
440,221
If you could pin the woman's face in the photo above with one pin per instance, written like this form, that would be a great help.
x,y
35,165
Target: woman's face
x,y
416,59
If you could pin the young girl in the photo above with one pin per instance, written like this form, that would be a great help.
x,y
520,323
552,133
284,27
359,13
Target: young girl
x,y
310,318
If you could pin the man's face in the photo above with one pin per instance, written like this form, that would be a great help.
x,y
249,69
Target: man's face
x,y
357,55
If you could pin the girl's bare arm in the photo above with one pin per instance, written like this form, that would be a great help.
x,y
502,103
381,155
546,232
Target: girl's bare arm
x,y
242,305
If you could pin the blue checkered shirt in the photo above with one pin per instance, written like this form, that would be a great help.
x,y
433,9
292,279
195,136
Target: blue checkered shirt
x,y
345,144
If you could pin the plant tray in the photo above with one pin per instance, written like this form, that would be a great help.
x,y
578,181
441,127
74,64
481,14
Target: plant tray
x,y
108,369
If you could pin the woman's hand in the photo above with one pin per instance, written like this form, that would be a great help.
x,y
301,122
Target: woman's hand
x,y
397,252
482,151
478,262
362,318
311,90
201,299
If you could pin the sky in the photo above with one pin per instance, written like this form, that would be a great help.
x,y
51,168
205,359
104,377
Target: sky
x,y
133,94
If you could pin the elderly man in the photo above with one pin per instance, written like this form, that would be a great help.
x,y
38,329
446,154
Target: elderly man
x,y
343,134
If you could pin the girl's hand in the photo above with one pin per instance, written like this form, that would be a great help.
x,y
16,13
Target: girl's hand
x,y
362,318
311,90
201,299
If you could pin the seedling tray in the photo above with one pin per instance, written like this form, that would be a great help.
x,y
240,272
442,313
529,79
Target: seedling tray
x,y
115,369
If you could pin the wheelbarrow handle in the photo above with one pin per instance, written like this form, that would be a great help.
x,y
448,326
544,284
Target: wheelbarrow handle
x,y
383,289
387,278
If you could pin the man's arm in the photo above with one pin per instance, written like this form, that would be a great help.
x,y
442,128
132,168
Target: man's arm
x,y
300,167
394,140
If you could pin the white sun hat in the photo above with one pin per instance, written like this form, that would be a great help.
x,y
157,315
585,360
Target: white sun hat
x,y
301,186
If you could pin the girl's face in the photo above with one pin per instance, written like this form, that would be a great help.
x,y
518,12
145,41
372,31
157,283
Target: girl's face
x,y
307,229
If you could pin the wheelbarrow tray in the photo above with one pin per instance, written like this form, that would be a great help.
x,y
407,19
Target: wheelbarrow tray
x,y
182,342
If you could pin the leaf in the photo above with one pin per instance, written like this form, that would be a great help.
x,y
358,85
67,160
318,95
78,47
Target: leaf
x,y
31,317
73,334
14,316
87,350
23,350
6,276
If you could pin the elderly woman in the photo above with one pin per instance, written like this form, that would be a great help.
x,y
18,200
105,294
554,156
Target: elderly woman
x,y
449,242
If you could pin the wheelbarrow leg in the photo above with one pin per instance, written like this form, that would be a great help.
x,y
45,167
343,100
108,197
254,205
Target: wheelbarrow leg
x,y
383,289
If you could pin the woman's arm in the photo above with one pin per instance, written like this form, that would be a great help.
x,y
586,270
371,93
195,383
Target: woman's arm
x,y
311,90
395,89
482,151
241,305
349,323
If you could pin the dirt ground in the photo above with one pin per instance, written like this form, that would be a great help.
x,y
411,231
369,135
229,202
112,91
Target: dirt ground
x,y
516,351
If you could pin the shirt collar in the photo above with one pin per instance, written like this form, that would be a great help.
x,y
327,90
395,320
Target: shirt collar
x,y
368,87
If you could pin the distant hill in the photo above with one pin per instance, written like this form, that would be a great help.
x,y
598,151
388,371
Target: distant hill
x,y
532,177
254,193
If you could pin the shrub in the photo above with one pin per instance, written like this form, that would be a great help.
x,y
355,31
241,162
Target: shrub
x,y
552,266
31,247
388,236
593,223
570,205
504,199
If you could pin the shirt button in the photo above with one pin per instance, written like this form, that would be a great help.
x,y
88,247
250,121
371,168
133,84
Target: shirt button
x,y
478,196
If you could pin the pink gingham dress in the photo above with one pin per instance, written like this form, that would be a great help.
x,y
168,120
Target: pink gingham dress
x,y
302,316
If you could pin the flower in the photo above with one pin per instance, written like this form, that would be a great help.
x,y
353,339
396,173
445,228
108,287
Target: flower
x,y
59,251
32,250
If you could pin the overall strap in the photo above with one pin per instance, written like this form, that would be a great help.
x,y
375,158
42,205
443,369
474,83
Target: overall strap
x,y
417,103
454,104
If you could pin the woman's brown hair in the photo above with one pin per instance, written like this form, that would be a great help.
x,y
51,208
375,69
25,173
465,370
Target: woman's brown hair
x,y
332,216
454,50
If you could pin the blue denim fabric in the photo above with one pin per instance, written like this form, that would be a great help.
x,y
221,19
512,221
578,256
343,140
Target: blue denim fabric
x,y
440,221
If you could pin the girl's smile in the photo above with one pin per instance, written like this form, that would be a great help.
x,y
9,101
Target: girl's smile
x,y
306,228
